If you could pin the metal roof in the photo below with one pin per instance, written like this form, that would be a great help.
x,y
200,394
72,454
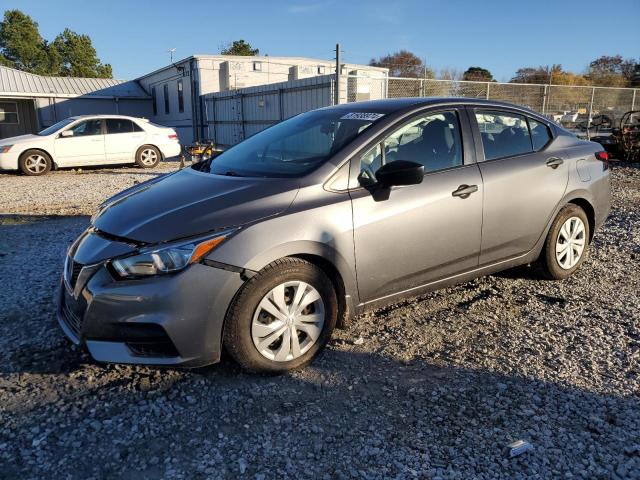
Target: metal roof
x,y
22,84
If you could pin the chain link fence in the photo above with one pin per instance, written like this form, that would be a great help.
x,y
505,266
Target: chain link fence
x,y
575,107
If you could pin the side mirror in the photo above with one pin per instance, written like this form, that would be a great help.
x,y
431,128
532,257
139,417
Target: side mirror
x,y
66,133
400,172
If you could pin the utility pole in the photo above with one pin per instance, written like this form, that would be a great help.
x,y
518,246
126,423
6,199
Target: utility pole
x,y
337,83
171,50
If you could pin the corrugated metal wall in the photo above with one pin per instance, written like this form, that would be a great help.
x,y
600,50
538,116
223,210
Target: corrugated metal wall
x,y
235,115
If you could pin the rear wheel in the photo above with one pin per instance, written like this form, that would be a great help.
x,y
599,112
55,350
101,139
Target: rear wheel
x,y
566,245
34,163
147,156
282,317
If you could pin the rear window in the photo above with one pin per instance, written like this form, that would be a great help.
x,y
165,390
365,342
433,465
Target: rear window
x,y
503,134
540,134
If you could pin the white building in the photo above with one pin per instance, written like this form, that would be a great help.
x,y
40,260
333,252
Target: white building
x,y
177,88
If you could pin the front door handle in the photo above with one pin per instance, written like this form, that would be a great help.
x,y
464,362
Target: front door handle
x,y
554,162
463,191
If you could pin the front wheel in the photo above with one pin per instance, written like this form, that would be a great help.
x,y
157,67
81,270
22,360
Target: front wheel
x,y
282,317
34,163
565,248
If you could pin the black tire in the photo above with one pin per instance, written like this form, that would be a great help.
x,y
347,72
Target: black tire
x,y
547,264
237,336
148,156
35,163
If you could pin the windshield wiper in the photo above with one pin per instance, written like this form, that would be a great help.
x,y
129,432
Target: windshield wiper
x,y
231,173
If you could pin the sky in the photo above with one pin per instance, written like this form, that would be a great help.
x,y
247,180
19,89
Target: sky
x,y
500,35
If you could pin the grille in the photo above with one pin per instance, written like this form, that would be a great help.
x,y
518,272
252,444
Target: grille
x,y
73,321
75,271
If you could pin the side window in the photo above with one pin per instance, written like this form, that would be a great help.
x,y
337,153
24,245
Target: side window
x,y
503,134
88,127
432,140
165,91
119,125
540,134
180,97
154,100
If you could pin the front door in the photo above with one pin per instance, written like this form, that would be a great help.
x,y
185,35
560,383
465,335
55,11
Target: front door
x,y
84,146
524,180
409,236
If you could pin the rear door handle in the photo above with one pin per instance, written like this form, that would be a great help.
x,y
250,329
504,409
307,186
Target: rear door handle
x,y
554,162
463,191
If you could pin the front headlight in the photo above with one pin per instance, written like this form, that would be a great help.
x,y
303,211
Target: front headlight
x,y
5,148
168,259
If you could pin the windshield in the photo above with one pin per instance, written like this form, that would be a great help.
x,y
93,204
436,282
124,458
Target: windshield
x,y
293,147
56,126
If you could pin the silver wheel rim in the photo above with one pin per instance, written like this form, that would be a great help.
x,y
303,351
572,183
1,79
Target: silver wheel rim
x,y
288,321
570,243
35,163
148,156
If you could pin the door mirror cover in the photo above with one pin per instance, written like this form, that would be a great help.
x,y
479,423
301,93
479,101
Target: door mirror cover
x,y
400,172
66,133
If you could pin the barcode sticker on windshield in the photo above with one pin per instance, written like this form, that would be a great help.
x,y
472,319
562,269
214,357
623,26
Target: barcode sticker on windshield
x,y
369,116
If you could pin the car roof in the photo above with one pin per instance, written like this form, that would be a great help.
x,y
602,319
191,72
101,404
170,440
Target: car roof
x,y
392,105
78,117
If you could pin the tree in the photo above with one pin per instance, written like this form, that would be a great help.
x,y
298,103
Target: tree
x,y
611,71
241,48
21,45
478,74
70,54
77,56
403,64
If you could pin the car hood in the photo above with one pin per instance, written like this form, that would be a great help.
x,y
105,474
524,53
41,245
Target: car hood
x,y
189,203
20,139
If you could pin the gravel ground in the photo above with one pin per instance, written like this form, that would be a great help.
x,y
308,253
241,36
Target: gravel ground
x,y
71,192
431,388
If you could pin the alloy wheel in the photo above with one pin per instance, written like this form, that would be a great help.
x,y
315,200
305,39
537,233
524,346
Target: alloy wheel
x,y
288,321
570,243
35,163
148,156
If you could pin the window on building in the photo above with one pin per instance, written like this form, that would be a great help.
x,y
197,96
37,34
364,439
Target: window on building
x,y
165,91
257,66
121,125
503,134
154,99
321,69
180,97
8,112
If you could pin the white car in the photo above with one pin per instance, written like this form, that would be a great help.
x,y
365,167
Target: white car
x,y
89,140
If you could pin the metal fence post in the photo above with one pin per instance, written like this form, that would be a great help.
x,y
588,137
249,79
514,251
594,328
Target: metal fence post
x,y
545,93
488,86
633,99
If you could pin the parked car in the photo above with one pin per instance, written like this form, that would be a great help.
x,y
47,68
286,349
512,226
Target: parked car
x,y
269,246
89,140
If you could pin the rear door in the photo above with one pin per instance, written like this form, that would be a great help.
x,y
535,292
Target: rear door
x,y
85,146
122,139
524,179
409,236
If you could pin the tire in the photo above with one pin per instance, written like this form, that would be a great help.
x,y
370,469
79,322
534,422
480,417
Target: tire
x,y
249,327
148,156
558,265
35,163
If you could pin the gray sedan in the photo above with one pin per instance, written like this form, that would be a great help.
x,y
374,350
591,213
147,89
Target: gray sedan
x,y
269,246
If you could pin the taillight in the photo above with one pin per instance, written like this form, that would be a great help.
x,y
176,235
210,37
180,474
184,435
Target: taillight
x,y
604,158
